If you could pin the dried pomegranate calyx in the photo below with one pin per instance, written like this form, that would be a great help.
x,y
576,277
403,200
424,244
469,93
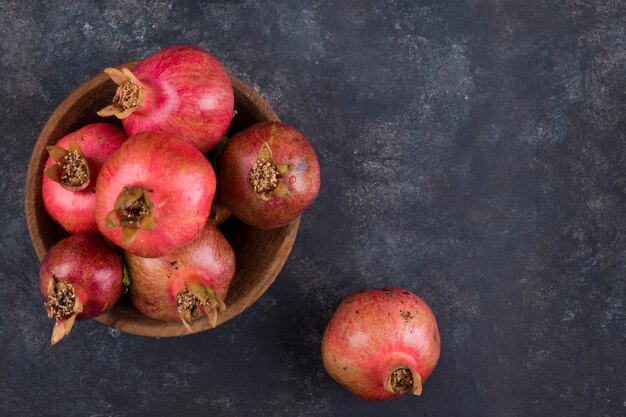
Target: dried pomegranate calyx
x,y
71,169
403,379
61,299
194,300
128,97
133,211
64,305
265,176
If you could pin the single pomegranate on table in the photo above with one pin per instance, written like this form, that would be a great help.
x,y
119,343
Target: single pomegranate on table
x,y
181,90
269,174
154,194
69,182
381,343
80,278
186,283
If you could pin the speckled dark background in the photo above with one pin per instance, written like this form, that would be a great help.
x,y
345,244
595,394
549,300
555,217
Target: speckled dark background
x,y
471,151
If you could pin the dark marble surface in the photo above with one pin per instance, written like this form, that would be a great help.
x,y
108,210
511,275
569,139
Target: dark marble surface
x,y
471,151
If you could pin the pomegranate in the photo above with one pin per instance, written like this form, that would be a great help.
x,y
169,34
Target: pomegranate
x,y
181,90
269,174
183,285
381,343
80,277
69,183
154,194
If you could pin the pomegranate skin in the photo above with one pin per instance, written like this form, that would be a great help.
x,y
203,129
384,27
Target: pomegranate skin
x,y
208,261
302,179
376,331
188,93
91,266
179,180
74,210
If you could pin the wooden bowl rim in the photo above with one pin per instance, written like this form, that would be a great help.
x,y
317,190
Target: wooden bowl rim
x,y
147,326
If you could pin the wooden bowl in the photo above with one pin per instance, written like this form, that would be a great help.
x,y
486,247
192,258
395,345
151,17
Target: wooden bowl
x,y
260,254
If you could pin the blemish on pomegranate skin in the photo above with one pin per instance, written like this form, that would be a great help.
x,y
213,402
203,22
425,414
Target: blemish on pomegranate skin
x,y
406,315
345,368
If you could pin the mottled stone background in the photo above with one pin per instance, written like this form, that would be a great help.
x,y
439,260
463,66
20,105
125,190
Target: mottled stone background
x,y
472,151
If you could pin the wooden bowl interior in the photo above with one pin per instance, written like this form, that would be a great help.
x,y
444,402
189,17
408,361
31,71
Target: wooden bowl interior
x,y
260,254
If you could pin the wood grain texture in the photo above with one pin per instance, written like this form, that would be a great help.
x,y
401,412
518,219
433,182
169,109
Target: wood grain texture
x,y
260,254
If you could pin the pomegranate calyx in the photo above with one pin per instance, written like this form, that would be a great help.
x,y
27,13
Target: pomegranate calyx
x,y
63,301
133,211
129,234
265,176
64,305
185,317
187,305
62,328
403,379
282,169
213,304
195,300
56,153
265,153
128,96
281,191
71,169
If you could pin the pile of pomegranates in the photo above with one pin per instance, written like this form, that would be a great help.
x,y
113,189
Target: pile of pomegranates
x,y
151,193
144,206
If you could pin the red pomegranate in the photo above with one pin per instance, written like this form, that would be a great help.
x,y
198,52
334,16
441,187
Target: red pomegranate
x,y
68,186
269,174
154,194
181,90
381,343
189,282
80,278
